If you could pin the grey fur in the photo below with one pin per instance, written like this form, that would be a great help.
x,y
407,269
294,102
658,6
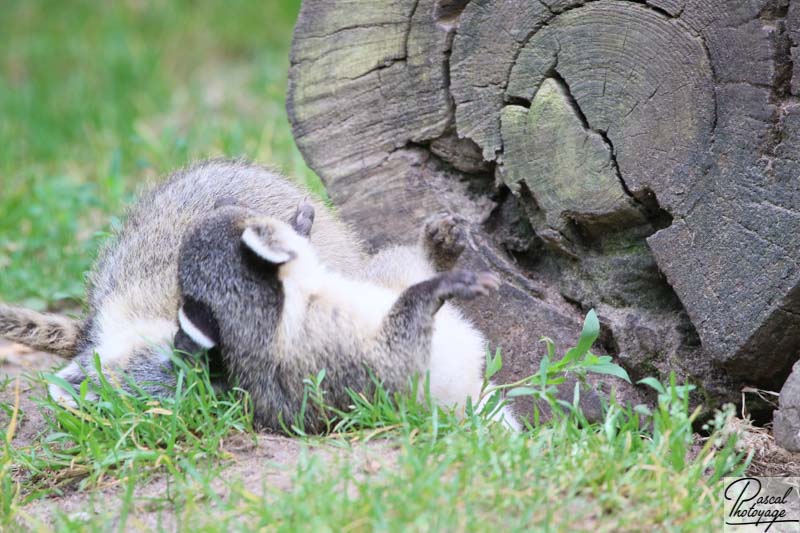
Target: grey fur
x,y
132,290
244,293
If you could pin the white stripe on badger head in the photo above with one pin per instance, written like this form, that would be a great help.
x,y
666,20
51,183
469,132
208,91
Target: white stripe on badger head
x,y
194,332
252,241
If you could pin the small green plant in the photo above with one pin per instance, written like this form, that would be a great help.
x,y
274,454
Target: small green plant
x,y
543,386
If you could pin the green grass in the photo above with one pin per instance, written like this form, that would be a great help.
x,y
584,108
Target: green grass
x,y
637,469
100,98
563,476
122,432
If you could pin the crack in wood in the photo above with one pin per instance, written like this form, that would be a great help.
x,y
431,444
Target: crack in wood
x,y
646,201
448,12
410,25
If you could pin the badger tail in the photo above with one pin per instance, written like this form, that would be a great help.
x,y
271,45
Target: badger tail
x,y
42,331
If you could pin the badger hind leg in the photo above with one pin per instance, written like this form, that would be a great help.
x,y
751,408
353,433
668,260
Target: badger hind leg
x,y
464,284
418,304
73,375
444,239
41,331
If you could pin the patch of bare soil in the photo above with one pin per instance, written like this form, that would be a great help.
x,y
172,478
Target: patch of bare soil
x,y
255,463
266,463
17,361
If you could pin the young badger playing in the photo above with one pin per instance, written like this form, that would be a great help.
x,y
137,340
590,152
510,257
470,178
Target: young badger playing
x,y
254,289
133,295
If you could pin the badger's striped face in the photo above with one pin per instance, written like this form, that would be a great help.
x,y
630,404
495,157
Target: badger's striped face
x,y
234,259
197,322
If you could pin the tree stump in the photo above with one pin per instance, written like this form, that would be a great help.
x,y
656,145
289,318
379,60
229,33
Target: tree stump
x,y
638,157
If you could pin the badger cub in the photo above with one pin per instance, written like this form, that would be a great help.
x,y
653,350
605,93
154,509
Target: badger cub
x,y
132,291
254,289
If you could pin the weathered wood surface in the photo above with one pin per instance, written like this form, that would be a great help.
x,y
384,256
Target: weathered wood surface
x,y
637,157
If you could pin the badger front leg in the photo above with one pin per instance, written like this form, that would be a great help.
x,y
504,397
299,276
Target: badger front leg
x,y
404,343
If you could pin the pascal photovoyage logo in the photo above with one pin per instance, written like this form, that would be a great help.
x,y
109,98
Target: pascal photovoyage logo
x,y
762,504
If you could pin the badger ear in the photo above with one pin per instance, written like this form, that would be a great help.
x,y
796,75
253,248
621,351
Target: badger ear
x,y
262,242
197,323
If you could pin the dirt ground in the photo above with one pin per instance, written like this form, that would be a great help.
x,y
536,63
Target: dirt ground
x,y
17,361
270,462
267,461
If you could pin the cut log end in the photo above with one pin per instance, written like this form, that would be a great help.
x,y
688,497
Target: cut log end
x,y
635,157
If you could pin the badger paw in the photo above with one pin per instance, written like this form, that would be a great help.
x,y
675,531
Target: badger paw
x,y
444,239
74,376
466,284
